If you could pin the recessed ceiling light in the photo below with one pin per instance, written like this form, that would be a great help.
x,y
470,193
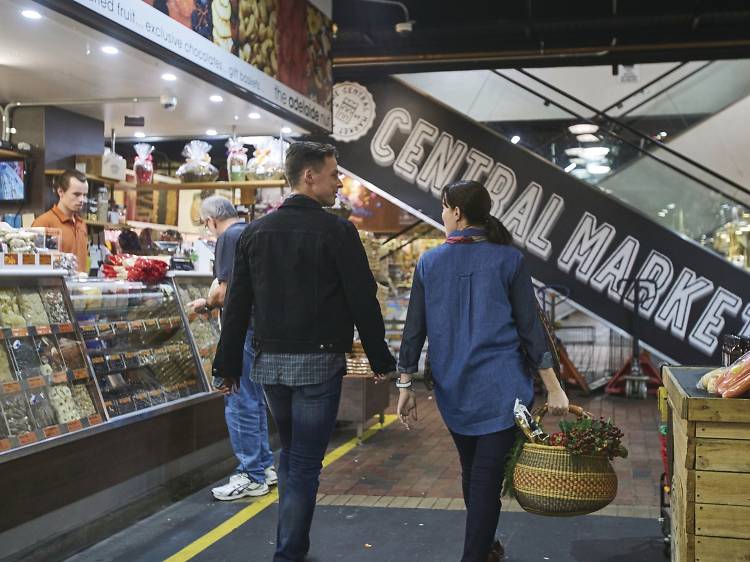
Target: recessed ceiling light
x,y
110,50
139,134
514,139
583,128
31,14
671,206
286,130
236,117
216,98
663,134
254,115
570,167
575,151
662,214
211,132
587,137
594,152
169,77
597,169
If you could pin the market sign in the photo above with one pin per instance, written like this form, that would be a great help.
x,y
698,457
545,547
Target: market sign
x,y
409,146
279,50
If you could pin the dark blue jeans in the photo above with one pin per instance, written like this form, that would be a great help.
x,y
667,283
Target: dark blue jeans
x,y
482,472
305,416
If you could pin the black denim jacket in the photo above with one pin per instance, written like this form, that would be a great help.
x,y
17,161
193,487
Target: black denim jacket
x,y
306,274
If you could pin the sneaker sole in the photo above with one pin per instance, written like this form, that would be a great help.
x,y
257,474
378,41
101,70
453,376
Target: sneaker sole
x,y
271,482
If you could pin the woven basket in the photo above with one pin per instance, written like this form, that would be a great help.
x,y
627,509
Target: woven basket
x,y
550,481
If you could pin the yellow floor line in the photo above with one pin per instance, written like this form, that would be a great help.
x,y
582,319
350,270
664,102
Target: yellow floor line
x,y
241,517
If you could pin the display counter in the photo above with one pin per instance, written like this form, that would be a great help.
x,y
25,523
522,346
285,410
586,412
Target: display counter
x,y
710,504
204,328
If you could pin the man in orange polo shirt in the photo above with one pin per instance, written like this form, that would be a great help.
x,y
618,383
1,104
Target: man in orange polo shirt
x,y
72,191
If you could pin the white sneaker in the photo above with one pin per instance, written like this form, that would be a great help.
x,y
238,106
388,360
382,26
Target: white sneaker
x,y
271,477
239,486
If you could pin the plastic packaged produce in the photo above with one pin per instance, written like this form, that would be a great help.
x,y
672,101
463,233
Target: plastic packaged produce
x,y
143,166
32,308
10,313
83,400
55,306
71,352
708,381
41,409
736,379
268,158
198,167
236,159
27,359
62,402
17,414
49,354
7,372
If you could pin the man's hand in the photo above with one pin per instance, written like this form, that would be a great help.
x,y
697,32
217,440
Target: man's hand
x,y
385,377
228,385
407,406
198,305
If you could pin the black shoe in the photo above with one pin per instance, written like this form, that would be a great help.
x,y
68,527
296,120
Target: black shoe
x,y
497,552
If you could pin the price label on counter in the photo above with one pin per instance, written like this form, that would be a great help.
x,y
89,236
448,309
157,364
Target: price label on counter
x,y
82,374
59,377
35,382
28,259
65,328
95,419
10,259
151,324
137,326
43,330
75,425
45,259
10,387
4,444
51,431
19,332
27,438
122,326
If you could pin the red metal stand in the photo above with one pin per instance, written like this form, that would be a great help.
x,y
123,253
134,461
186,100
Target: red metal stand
x,y
618,384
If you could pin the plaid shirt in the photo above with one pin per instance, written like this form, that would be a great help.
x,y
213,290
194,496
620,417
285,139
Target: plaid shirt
x,y
297,369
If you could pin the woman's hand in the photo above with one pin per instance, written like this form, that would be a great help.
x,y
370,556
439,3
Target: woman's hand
x,y
407,406
557,402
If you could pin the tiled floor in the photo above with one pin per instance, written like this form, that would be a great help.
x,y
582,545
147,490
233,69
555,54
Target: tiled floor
x,y
419,468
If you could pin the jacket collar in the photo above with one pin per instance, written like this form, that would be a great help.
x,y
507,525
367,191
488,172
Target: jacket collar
x,y
469,231
299,200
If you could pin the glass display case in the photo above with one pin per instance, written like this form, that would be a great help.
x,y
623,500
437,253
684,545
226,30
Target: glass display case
x,y
204,328
136,340
46,387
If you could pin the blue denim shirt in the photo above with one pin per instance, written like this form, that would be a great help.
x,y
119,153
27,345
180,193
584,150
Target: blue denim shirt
x,y
476,305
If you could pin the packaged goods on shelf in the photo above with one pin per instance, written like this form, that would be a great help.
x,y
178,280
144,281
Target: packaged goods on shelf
x,y
54,304
32,308
10,312
17,414
62,401
41,409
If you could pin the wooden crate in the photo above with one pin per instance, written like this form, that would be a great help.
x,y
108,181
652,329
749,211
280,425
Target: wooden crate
x,y
710,494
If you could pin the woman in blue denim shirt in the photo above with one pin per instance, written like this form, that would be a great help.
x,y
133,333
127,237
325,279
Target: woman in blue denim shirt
x,y
473,299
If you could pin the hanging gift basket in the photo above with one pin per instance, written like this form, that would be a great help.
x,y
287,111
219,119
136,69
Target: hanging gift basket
x,y
568,473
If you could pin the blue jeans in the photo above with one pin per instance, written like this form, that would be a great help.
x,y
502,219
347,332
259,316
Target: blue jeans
x,y
305,416
247,421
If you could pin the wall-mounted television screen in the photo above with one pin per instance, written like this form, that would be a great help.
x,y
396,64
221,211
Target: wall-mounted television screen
x,y
13,179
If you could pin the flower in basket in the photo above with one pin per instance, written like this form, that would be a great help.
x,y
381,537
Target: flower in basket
x,y
586,436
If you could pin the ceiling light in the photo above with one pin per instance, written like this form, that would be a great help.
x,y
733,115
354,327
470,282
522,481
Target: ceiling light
x,y
671,206
236,117
581,173
139,134
514,139
169,77
575,151
286,130
663,134
570,167
592,152
31,14
578,161
597,169
254,115
662,214
216,98
583,128
110,50
588,137
211,132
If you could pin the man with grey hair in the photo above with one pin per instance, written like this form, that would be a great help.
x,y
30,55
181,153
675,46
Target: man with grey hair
x,y
245,409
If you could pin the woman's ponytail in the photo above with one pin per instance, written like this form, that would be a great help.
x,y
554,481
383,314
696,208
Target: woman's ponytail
x,y
496,231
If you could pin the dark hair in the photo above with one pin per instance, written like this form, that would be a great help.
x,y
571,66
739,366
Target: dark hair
x,y
305,154
64,181
474,202
129,243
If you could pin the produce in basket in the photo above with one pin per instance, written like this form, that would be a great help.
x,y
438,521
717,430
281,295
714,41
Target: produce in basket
x,y
198,167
